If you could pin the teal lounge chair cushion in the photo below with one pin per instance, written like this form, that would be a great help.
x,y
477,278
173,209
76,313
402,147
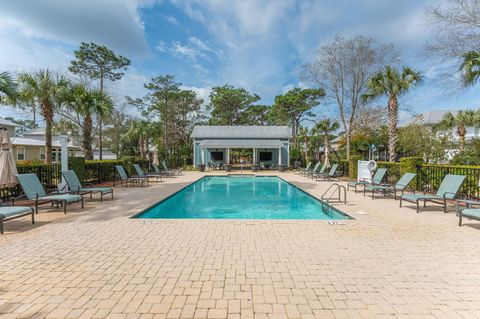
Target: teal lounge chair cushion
x,y
377,178
450,186
471,212
69,198
10,211
415,197
400,185
121,172
31,185
97,189
72,180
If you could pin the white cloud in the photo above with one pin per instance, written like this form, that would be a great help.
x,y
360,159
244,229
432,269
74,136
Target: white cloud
x,y
109,22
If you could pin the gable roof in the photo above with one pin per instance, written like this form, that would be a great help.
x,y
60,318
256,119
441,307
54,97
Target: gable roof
x,y
239,132
429,117
4,122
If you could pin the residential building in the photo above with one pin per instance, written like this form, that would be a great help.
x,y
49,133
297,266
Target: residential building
x,y
31,145
270,144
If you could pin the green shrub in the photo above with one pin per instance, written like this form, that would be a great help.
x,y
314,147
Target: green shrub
x,y
77,164
410,165
353,166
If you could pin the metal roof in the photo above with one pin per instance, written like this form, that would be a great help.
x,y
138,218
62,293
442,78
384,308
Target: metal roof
x,y
4,122
241,132
33,142
241,143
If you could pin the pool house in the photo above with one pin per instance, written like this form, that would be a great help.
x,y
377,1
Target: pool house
x,y
269,145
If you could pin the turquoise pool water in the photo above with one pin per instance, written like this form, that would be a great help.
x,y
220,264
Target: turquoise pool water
x,y
245,197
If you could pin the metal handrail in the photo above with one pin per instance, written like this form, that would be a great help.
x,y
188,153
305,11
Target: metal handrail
x,y
338,188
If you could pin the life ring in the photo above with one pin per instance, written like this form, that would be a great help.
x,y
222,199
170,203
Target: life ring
x,y
372,165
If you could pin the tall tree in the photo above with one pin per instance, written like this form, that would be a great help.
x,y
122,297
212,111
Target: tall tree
x,y
8,88
456,26
295,106
470,67
159,101
303,135
82,106
326,128
229,104
392,83
46,90
460,122
343,67
98,63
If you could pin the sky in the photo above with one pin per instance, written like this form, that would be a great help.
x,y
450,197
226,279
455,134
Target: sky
x,y
259,45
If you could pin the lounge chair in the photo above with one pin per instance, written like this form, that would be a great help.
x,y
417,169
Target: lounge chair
x,y
75,186
14,212
124,179
306,169
377,180
177,172
34,191
331,174
470,213
140,173
401,185
315,169
162,172
448,190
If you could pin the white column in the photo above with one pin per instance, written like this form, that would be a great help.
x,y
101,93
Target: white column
x,y
279,156
63,139
203,156
254,156
228,155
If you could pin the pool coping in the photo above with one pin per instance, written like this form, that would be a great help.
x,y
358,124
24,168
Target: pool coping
x,y
137,215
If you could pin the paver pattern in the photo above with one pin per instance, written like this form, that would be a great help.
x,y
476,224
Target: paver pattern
x,y
389,262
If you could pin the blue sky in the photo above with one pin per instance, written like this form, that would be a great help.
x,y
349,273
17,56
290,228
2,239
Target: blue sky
x,y
259,45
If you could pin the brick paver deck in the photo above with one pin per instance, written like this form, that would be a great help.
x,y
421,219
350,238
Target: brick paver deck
x,y
99,263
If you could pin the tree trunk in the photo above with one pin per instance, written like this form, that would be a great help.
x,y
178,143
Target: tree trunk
x,y
348,146
141,144
392,128
325,145
48,114
100,125
461,131
87,137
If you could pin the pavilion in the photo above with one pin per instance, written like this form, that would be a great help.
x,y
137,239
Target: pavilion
x,y
270,144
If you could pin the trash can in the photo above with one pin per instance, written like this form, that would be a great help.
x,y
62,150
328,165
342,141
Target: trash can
x,y
282,168
201,167
228,167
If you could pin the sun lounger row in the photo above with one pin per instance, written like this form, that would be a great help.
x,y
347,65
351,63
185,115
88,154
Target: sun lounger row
x,y
447,191
74,191
319,172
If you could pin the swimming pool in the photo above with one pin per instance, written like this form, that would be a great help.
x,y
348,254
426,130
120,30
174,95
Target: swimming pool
x,y
242,197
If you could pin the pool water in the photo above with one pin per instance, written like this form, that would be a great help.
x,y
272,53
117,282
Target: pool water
x,y
242,197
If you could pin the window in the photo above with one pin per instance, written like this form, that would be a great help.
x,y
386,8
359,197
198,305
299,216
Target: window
x,y
217,156
42,153
265,156
20,153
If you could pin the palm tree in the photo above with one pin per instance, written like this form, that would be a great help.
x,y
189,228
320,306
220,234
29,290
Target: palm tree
x,y
470,67
8,88
392,83
140,131
325,128
45,89
81,105
460,122
303,135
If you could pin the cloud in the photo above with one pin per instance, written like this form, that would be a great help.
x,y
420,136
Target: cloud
x,y
116,24
193,49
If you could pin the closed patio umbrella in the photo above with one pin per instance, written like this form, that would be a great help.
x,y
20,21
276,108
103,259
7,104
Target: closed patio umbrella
x,y
8,169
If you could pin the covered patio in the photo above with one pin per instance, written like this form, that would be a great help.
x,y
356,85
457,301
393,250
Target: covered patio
x,y
269,145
